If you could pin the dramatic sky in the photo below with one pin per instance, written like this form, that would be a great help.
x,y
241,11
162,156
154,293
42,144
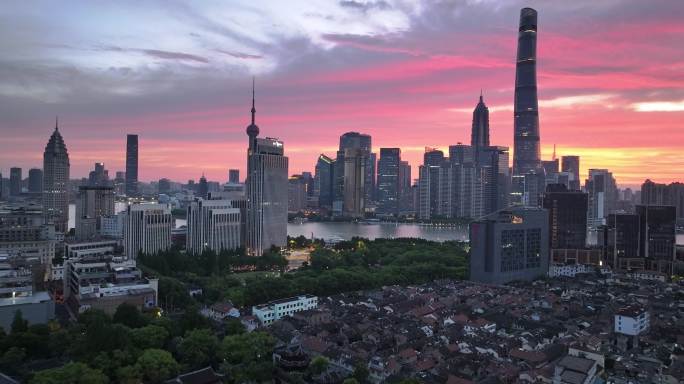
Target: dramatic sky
x,y
178,73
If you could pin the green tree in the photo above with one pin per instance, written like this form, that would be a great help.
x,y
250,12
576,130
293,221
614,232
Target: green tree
x,y
12,359
72,373
198,348
129,315
149,336
156,365
318,365
360,372
248,356
234,326
350,380
93,316
19,324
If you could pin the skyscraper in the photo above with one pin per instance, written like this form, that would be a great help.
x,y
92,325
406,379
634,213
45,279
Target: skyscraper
x,y
15,181
603,196
526,155
355,172
479,137
202,187
324,181
362,142
56,182
571,165
296,193
432,185
99,176
266,191
664,194
657,231
388,181
35,183
131,165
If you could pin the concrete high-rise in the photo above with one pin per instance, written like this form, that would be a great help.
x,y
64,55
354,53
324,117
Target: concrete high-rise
x,y
203,187
388,181
571,165
35,180
92,204
603,196
15,181
664,194
296,193
526,155
213,225
131,165
657,234
56,182
479,137
147,229
266,186
514,245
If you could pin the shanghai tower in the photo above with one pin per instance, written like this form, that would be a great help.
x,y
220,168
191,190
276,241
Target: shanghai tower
x,y
526,155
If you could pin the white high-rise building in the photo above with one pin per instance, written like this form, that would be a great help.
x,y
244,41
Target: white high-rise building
x,y
214,225
267,183
147,228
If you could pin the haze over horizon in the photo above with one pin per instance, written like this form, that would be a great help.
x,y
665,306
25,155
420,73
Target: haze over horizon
x,y
610,76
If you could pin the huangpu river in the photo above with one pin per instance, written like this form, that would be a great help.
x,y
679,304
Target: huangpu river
x,y
345,231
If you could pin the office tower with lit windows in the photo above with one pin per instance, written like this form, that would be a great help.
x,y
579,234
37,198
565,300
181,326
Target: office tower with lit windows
x,y
266,186
526,155
56,182
131,165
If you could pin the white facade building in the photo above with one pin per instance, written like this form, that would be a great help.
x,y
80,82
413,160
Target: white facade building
x,y
277,309
214,225
570,270
147,228
632,321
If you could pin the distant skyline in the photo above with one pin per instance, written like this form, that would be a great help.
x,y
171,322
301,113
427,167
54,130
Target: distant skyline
x,y
178,74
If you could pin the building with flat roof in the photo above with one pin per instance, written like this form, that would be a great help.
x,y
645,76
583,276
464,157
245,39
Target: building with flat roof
x,y
213,225
17,293
277,309
147,228
514,245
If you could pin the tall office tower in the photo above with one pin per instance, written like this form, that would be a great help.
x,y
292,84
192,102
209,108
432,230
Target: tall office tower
x,y
571,165
479,137
404,189
202,187
664,194
494,178
352,140
324,181
657,235
550,166
35,180
56,182
2,188
461,154
131,165
147,229
92,204
355,172
309,183
15,181
120,183
296,193
603,196
512,246
266,185
619,238
212,225
388,181
567,217
234,176
526,155
99,176
431,184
